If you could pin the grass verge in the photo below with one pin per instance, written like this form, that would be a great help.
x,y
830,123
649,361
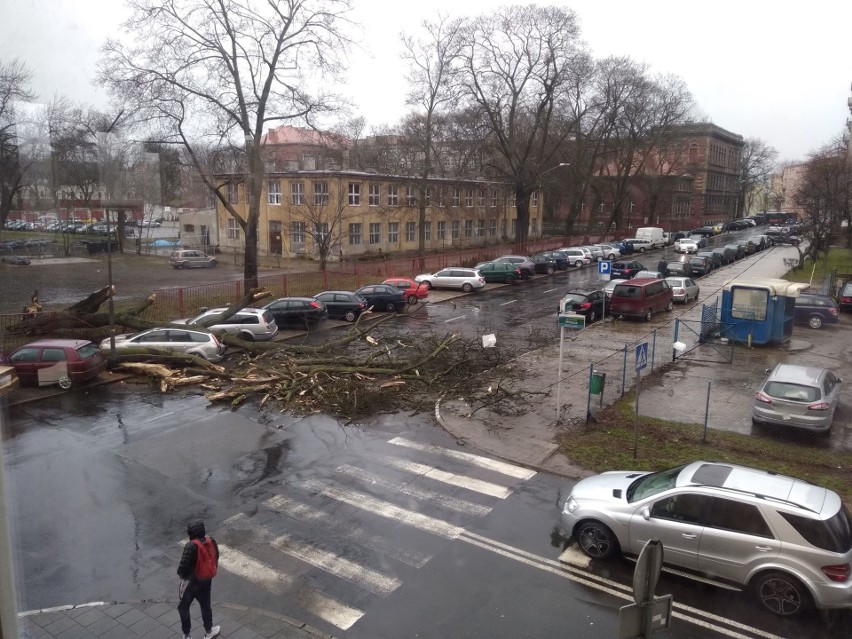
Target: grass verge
x,y
837,258
608,445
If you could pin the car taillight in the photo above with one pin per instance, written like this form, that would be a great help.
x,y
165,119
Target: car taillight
x,y
763,397
585,306
840,572
819,406
315,304
846,300
832,310
362,305
216,340
517,271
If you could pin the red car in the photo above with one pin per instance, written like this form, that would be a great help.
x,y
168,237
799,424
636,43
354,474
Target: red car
x,y
414,292
57,361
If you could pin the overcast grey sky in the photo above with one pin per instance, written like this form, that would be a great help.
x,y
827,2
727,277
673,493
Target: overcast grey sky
x,y
756,67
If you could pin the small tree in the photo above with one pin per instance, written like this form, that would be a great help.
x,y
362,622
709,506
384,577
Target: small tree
x,y
757,163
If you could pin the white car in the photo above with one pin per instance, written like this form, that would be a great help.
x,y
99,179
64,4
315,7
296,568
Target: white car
x,y
683,289
174,339
685,245
648,274
466,279
609,251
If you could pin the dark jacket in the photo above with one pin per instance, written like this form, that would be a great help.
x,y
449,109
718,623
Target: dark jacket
x,y
186,567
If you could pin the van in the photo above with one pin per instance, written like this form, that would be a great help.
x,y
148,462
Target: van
x,y
654,234
641,297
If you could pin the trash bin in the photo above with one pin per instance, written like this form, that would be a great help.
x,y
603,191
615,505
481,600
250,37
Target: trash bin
x,y
596,385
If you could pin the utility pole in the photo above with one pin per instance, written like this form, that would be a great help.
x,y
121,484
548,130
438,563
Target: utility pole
x,y
849,134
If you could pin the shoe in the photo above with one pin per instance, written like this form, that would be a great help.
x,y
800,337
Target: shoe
x,y
214,632
187,637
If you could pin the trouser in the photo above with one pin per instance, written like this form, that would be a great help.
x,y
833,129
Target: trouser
x,y
199,590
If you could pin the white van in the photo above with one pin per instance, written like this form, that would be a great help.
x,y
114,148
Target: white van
x,y
654,235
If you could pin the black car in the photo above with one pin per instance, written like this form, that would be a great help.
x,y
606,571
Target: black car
x,y
382,297
297,311
499,272
625,269
700,265
747,246
739,251
705,231
815,310
678,269
592,303
760,242
544,264
562,261
344,305
726,255
701,240
793,240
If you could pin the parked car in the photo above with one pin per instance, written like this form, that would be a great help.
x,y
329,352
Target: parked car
x,y
845,297
172,339
500,272
715,258
748,247
596,252
344,305
8,380
797,396
641,298
793,240
591,303
625,247
641,245
191,259
739,251
726,254
625,269
649,274
784,540
57,361
523,262
815,310
686,245
610,286
610,252
700,265
304,312
544,264
701,240
706,231
249,324
382,297
414,292
684,289
466,279
560,257
760,242
678,269
576,257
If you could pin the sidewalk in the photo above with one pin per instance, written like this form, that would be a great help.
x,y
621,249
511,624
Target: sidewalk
x,y
159,620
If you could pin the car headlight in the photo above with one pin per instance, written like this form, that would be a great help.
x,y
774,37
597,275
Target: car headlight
x,y
571,505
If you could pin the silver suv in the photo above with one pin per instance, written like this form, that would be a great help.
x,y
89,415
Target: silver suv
x,y
787,541
467,279
249,324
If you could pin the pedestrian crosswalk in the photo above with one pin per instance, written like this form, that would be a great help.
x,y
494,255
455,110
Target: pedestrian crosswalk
x,y
367,525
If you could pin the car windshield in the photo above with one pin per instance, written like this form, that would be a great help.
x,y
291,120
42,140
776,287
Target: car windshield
x,y
653,484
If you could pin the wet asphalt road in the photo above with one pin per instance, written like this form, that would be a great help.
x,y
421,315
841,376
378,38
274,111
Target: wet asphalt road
x,y
377,530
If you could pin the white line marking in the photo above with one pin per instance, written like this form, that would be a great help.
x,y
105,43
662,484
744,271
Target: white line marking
x,y
483,462
318,604
453,319
385,509
550,290
477,485
345,528
376,582
509,302
90,604
423,494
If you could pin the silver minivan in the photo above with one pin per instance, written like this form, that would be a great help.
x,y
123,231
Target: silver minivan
x,y
797,396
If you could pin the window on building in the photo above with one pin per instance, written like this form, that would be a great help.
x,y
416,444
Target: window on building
x,y
456,197
320,232
320,193
410,231
534,226
535,199
601,207
468,228
493,198
442,230
427,231
693,153
442,197
514,227
393,195
631,207
468,198
373,195
273,190
393,232
297,232
456,229
481,199
355,233
428,196
492,227
233,193
354,194
297,192
480,228
503,228
375,232
233,229
512,201
410,197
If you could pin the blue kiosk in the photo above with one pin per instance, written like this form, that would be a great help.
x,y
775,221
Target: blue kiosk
x,y
760,310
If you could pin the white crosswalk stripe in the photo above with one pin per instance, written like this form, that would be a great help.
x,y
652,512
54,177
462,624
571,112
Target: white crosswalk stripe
x,y
423,494
477,485
501,467
367,578
347,529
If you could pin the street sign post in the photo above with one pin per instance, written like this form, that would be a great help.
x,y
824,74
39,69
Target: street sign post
x,y
641,362
572,321
641,356
605,268
649,613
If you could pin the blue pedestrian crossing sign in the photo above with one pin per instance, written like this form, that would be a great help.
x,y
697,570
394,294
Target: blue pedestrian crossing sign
x,y
641,356
604,267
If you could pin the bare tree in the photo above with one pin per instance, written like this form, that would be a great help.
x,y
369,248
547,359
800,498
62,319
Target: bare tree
x,y
757,163
517,69
322,217
222,70
14,87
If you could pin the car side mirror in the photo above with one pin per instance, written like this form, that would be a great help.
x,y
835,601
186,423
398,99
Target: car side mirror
x,y
767,371
646,513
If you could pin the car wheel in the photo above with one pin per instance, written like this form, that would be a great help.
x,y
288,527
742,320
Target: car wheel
x,y
412,299
642,249
648,315
815,321
670,307
467,287
596,540
578,264
550,270
782,594
247,337
350,316
390,307
65,382
509,279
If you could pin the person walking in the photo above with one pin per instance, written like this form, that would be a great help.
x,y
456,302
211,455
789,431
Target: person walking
x,y
196,570
662,265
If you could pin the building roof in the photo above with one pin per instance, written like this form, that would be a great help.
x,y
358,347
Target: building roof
x,y
287,134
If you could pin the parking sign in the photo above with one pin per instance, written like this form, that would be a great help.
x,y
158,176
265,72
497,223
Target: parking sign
x,y
604,267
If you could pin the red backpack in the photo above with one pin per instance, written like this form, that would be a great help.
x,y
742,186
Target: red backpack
x,y
205,564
